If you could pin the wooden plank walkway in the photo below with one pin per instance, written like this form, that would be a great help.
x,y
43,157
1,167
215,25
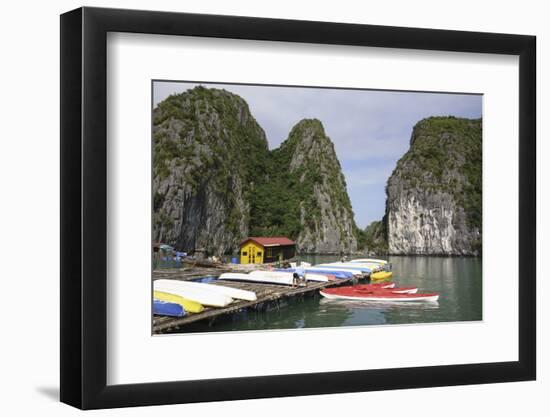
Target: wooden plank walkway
x,y
265,293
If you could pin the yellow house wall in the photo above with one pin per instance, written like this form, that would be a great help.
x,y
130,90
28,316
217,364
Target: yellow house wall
x,y
254,253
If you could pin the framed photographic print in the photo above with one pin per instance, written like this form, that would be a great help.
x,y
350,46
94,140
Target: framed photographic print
x,y
258,207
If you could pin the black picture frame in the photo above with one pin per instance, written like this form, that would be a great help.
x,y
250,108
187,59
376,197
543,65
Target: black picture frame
x,y
84,207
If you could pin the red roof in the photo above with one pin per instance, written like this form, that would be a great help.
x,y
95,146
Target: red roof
x,y
270,241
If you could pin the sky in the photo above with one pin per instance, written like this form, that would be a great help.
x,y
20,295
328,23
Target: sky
x,y
370,129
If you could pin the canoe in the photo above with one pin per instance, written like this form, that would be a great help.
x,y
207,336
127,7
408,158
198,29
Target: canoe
x,y
164,308
204,297
381,275
220,289
189,305
348,293
393,288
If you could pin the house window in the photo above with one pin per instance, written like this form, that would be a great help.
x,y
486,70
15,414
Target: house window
x,y
259,253
269,252
245,254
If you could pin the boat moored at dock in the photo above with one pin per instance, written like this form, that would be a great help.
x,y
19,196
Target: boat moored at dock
x,y
165,308
348,293
204,297
188,305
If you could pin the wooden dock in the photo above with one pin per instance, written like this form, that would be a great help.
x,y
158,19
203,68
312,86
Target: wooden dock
x,y
266,295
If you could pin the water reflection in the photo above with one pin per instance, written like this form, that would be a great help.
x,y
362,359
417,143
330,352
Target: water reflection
x,y
457,280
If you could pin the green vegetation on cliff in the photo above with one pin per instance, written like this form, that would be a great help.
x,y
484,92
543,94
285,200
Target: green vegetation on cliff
x,y
203,172
434,203
287,201
215,181
446,155
374,238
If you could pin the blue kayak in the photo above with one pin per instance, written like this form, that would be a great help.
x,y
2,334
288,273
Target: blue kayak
x,y
336,274
164,308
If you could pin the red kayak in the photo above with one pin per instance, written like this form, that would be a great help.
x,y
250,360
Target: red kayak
x,y
349,293
393,288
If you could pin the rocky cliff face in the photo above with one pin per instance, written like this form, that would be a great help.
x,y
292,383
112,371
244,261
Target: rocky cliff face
x,y
434,194
207,150
215,181
304,195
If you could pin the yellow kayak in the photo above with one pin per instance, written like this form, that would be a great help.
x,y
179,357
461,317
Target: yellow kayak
x,y
189,305
381,275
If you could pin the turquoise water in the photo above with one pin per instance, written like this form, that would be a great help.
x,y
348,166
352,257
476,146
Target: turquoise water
x,y
457,280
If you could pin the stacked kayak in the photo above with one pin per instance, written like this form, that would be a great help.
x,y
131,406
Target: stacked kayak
x,y
356,269
381,275
279,277
202,296
302,264
312,272
220,289
268,277
368,260
374,294
165,308
188,305
386,287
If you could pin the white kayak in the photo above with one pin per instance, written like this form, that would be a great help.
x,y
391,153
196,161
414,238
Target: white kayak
x,y
271,277
311,276
302,264
202,296
220,289
370,261
355,270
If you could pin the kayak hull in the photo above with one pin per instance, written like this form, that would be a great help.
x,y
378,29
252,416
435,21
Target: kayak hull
x,y
334,294
382,287
188,305
220,289
378,276
204,297
164,308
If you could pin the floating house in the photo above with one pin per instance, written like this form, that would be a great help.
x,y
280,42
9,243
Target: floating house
x,y
259,250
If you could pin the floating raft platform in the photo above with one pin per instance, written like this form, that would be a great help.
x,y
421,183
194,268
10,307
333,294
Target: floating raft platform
x,y
266,294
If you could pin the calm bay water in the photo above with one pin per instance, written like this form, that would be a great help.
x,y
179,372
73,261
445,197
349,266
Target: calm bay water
x,y
457,280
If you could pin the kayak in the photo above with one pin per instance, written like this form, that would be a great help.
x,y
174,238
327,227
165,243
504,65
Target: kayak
x,y
356,269
381,287
202,296
328,269
265,277
368,260
309,272
189,305
348,293
376,286
164,308
302,264
381,275
220,289
317,275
